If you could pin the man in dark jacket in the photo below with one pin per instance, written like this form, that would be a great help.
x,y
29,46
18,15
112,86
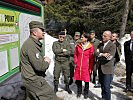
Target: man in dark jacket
x,y
33,65
128,49
114,39
62,51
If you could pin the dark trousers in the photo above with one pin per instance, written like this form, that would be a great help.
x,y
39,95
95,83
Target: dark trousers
x,y
105,81
114,70
129,71
95,73
79,87
72,69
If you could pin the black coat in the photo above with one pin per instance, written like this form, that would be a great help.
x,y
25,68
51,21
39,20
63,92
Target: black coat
x,y
128,53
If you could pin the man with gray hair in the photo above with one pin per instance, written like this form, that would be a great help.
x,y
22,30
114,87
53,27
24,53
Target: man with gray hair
x,y
106,52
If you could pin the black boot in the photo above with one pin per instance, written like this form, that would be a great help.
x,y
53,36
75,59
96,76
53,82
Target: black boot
x,y
79,88
55,88
79,91
86,89
71,81
68,89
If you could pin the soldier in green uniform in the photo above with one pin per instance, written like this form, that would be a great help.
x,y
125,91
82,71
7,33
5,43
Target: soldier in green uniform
x,y
77,38
73,45
62,51
68,37
95,69
33,65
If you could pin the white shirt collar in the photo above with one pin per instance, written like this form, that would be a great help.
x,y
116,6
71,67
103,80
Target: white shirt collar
x,y
131,45
105,44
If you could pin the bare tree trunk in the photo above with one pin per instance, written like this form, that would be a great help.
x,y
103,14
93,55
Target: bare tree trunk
x,y
124,19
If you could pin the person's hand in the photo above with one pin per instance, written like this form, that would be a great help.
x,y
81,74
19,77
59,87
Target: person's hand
x,y
47,59
107,55
64,50
98,51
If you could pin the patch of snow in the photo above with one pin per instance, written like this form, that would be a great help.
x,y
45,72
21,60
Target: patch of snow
x,y
122,41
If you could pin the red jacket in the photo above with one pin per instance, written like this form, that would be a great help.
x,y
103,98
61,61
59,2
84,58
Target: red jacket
x,y
84,60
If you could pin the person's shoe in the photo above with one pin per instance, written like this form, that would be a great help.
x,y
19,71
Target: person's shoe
x,y
97,85
68,89
71,81
127,90
86,96
111,87
78,95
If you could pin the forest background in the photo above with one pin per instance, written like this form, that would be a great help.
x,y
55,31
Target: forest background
x,y
87,15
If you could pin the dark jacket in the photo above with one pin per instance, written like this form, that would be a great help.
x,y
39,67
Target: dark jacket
x,y
118,51
128,53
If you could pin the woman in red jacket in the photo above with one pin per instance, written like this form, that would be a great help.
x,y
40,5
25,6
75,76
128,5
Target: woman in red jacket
x,y
84,60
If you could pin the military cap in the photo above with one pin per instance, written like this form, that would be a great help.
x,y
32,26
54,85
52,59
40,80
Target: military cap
x,y
62,33
77,33
92,31
36,24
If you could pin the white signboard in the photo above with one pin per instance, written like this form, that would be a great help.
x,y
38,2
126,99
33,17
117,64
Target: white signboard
x,y
3,63
24,20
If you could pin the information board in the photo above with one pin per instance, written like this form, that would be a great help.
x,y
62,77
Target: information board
x,y
14,30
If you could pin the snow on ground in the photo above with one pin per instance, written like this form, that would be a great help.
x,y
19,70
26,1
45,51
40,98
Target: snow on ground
x,y
94,93
122,41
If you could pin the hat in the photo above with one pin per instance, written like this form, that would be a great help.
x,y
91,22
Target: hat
x,y
77,33
36,24
92,31
62,33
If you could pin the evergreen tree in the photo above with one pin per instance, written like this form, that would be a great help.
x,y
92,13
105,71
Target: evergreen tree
x,y
129,24
85,15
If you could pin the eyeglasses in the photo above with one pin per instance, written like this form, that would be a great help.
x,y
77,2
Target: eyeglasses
x,y
77,35
62,37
